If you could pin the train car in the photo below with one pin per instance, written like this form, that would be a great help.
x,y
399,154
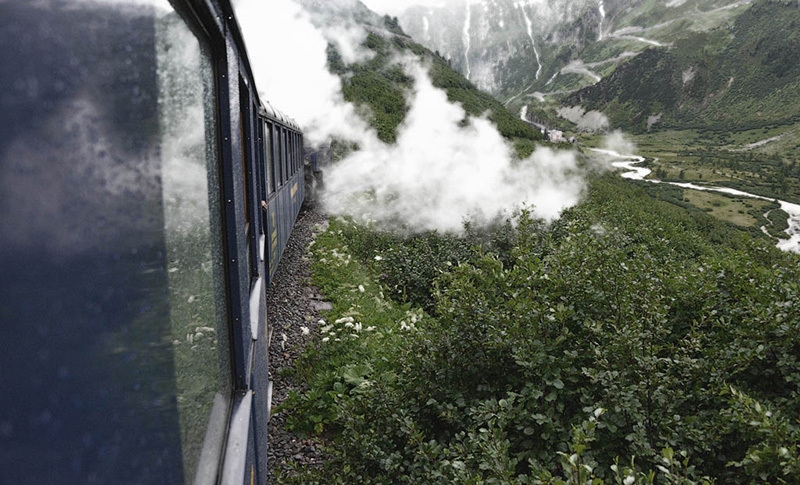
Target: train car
x,y
146,193
284,191
315,161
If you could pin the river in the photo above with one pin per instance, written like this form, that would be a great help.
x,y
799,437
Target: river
x,y
629,163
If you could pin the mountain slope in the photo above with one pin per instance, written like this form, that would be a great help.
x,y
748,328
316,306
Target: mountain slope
x,y
379,84
742,77
516,49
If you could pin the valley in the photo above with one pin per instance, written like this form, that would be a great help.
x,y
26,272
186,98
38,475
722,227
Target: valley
x,y
643,330
734,206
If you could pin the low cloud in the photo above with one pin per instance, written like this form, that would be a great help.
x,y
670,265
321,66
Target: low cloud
x,y
438,174
288,55
441,173
589,122
618,142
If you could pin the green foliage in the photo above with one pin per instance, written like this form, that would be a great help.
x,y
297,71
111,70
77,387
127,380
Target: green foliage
x,y
393,25
628,331
379,91
477,103
410,268
775,457
379,86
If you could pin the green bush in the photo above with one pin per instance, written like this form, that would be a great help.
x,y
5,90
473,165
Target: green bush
x,y
627,332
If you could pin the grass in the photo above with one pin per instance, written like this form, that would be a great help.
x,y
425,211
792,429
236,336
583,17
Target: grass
x,y
691,156
735,211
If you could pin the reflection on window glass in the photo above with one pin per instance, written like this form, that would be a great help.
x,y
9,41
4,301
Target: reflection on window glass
x,y
193,236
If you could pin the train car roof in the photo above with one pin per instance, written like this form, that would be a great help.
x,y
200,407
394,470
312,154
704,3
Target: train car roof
x,y
275,114
266,108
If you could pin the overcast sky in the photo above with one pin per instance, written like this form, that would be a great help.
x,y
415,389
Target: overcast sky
x,y
396,7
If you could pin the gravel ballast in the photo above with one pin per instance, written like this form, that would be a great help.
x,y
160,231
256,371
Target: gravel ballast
x,y
292,304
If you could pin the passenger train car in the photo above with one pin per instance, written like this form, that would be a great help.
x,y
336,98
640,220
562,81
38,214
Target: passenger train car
x,y
146,195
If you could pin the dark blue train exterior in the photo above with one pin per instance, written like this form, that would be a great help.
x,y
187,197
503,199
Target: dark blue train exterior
x,y
146,196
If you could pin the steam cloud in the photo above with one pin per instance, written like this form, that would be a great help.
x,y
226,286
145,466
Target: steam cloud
x,y
438,174
289,60
616,141
591,122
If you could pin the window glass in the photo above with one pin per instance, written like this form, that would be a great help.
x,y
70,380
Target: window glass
x,y
247,179
280,155
192,219
268,159
294,153
291,153
285,155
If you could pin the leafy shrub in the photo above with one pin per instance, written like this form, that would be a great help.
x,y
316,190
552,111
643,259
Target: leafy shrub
x,y
629,331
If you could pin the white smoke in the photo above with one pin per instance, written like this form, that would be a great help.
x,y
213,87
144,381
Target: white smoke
x,y
439,173
289,60
618,142
590,122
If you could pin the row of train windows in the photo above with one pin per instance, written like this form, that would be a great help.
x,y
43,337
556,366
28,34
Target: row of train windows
x,y
283,158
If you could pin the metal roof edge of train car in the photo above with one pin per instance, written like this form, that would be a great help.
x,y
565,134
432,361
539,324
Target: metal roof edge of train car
x,y
236,32
274,113
233,24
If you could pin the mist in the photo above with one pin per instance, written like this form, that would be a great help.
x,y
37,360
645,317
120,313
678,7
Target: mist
x,y
590,122
441,171
617,141
289,61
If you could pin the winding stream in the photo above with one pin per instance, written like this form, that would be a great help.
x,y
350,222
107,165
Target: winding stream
x,y
634,172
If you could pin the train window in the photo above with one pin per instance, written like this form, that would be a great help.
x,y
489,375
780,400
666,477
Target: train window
x,y
297,155
281,151
299,151
248,179
268,159
293,146
289,157
285,155
261,163
193,234
114,312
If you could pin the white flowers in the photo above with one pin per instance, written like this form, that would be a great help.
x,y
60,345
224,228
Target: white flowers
x,y
305,330
378,258
347,323
629,480
361,288
413,317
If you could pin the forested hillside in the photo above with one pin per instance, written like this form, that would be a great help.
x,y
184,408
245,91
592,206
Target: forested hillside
x,y
635,339
742,77
380,86
629,342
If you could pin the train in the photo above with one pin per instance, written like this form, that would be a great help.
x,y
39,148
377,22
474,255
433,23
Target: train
x,y
147,192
